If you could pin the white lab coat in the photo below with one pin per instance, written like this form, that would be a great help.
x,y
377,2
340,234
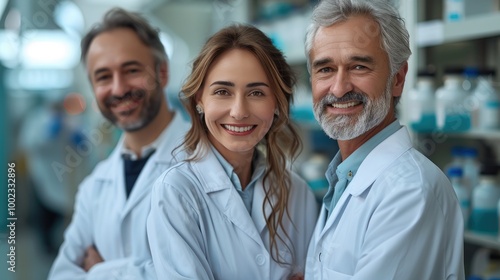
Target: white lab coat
x,y
199,227
104,217
398,218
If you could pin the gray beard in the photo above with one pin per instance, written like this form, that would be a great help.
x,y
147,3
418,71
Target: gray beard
x,y
349,127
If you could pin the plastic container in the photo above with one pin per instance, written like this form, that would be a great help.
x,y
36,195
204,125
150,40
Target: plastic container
x,y
485,197
471,75
457,159
422,103
471,167
451,112
456,175
454,10
485,101
457,10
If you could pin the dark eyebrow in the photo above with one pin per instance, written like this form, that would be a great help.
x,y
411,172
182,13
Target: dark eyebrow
x,y
231,84
257,84
125,64
222,83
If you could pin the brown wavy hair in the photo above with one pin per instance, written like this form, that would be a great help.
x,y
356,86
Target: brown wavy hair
x,y
281,143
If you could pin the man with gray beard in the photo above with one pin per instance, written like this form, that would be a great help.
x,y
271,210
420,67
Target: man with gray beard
x,y
127,67
389,212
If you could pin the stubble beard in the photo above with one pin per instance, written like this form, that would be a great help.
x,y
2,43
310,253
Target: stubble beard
x,y
150,109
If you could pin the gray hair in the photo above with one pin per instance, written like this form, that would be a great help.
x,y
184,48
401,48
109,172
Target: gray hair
x,y
394,36
120,18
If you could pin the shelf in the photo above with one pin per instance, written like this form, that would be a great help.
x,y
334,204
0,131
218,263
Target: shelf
x,y
483,240
471,134
436,32
477,134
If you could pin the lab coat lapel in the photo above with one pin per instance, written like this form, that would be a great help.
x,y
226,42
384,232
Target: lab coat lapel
x,y
217,185
112,177
160,161
377,160
144,183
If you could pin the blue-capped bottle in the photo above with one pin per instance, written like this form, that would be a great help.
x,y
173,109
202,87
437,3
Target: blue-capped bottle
x,y
484,215
455,174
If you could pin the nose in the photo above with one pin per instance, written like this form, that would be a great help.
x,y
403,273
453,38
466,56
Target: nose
x,y
119,86
239,108
341,83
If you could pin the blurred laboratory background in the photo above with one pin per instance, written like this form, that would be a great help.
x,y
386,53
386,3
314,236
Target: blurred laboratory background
x,y
53,132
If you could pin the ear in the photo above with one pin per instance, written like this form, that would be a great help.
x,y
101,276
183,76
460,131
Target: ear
x,y
398,81
198,95
163,74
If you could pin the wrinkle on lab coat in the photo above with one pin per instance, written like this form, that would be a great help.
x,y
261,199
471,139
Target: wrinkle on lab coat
x,y
104,217
199,227
398,219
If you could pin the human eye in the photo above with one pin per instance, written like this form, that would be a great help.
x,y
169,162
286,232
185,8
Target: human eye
x,y
102,77
325,70
256,93
221,92
359,67
132,70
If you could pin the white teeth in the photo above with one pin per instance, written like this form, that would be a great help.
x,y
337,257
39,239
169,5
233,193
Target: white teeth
x,y
344,105
238,128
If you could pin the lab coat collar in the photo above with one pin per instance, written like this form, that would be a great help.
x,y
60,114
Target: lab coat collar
x,y
376,161
161,160
215,182
379,158
170,138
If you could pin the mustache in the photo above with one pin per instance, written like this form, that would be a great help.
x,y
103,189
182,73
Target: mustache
x,y
133,95
350,96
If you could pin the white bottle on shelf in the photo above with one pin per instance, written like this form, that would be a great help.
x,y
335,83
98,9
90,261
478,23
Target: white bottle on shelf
x,y
471,75
484,215
422,103
457,159
454,10
487,99
452,114
455,174
471,167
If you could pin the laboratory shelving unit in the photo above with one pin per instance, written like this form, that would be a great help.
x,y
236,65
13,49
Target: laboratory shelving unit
x,y
472,41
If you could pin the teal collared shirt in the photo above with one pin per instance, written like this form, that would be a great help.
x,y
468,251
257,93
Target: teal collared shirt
x,y
258,168
340,173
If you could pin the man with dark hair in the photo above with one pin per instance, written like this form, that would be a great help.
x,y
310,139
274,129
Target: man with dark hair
x,y
127,67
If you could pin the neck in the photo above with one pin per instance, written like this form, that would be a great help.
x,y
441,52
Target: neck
x,y
347,147
242,165
135,140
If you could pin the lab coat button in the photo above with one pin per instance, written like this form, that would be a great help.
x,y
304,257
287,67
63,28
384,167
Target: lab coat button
x,y
260,259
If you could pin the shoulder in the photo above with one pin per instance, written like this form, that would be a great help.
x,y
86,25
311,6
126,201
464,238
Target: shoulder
x,y
413,173
180,179
177,174
413,164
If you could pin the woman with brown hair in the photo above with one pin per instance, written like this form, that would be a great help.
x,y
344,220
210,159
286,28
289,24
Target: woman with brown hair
x,y
234,209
